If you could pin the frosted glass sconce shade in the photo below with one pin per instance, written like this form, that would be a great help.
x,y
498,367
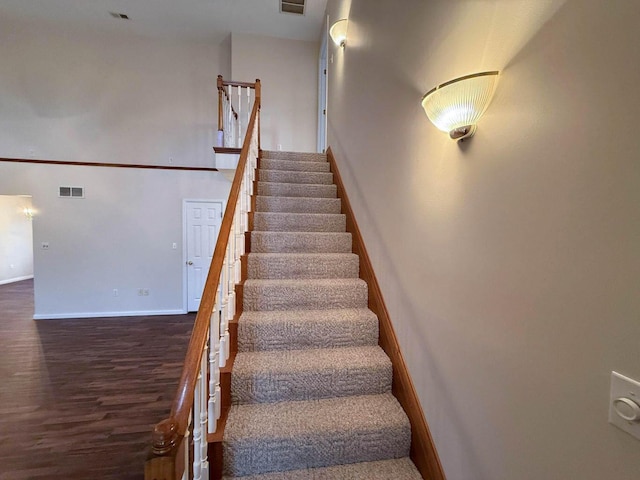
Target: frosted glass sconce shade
x,y
456,106
338,32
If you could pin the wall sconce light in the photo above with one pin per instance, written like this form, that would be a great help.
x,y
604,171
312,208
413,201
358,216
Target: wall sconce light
x,y
457,105
28,212
338,32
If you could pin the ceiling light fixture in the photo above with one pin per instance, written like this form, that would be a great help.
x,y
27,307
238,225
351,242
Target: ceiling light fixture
x,y
456,106
338,32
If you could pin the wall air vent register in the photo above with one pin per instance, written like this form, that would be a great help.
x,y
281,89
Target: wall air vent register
x,y
292,6
71,192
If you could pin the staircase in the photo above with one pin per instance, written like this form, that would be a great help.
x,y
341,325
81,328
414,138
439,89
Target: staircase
x,y
310,387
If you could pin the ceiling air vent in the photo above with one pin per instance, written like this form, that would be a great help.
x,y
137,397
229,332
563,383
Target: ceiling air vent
x,y
121,16
292,6
71,192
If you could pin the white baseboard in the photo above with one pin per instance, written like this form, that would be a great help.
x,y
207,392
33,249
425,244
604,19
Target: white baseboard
x,y
137,313
16,279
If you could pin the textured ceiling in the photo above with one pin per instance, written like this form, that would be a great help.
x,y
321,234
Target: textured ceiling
x,y
202,20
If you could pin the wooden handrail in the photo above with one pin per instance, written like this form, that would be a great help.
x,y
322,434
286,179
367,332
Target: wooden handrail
x,y
168,433
230,83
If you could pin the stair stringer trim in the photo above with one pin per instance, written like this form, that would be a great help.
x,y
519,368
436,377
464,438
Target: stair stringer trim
x,y
423,452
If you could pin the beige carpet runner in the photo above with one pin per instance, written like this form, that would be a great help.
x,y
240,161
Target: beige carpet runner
x,y
311,389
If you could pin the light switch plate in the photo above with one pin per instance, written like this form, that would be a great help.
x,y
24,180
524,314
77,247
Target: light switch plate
x,y
624,387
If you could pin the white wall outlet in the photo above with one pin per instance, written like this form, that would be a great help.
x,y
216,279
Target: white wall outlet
x,y
45,245
624,404
279,147
174,245
140,292
145,292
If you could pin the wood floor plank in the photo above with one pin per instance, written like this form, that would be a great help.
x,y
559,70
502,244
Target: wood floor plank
x,y
78,398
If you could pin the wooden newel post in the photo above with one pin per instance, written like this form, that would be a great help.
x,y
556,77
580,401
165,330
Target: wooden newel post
x,y
220,126
165,462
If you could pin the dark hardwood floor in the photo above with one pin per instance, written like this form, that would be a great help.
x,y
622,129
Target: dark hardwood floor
x,y
78,398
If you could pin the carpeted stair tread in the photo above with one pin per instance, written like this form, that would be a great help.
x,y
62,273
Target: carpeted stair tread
x,y
296,190
303,294
290,375
269,437
395,469
302,265
297,204
313,329
307,178
295,156
292,165
300,242
299,222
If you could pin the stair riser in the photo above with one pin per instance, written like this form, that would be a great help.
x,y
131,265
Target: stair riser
x,y
312,451
295,156
284,222
303,297
287,242
397,469
307,178
291,335
304,267
296,190
297,205
288,165
314,385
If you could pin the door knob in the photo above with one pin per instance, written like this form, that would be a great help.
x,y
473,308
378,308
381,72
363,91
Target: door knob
x,y
189,262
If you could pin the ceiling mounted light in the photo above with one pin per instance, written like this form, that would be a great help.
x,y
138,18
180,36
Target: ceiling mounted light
x,y
456,106
338,32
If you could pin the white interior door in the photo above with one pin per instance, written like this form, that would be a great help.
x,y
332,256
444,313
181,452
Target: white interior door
x,y
202,225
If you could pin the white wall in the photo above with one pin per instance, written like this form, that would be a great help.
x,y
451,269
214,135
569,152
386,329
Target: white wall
x,y
91,96
287,70
16,254
120,236
510,265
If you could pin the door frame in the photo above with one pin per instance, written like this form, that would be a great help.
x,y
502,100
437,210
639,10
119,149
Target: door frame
x,y
185,203
323,87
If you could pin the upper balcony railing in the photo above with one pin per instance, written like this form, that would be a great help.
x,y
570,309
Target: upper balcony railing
x,y
180,446
235,100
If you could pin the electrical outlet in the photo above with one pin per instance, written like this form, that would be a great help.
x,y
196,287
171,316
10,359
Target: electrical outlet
x,y
115,292
145,292
140,292
624,404
45,245
174,245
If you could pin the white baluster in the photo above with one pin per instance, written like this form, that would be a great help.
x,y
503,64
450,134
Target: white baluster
x,y
204,458
240,116
248,106
197,431
214,368
185,444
